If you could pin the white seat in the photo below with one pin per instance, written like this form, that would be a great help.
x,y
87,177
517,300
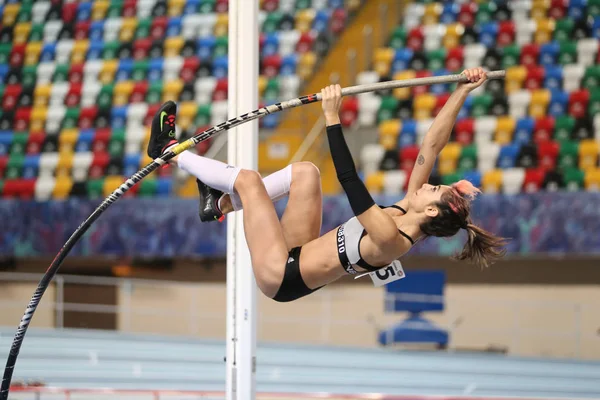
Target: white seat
x,y
319,4
473,54
39,10
487,156
520,10
48,163
524,31
44,185
572,75
91,70
597,127
287,6
56,114
289,86
51,30
287,42
412,15
172,67
433,36
144,8
262,17
204,89
512,180
136,112
45,71
485,128
81,165
586,51
190,26
370,157
367,77
218,112
63,51
112,27
58,93
89,93
134,135
518,103
393,182
367,111
422,129
207,24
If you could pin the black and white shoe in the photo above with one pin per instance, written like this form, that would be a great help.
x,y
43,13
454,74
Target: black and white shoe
x,y
209,203
162,133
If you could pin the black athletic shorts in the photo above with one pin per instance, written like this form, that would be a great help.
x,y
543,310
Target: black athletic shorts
x,y
293,286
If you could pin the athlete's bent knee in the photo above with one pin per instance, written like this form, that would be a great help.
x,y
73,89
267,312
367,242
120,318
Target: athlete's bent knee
x,y
248,179
305,170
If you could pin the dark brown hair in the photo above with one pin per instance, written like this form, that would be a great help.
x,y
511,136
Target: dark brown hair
x,y
482,247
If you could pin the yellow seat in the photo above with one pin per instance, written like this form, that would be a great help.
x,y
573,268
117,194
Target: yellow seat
x,y
544,30
80,48
505,128
382,60
107,72
9,14
41,95
221,25
37,120
374,182
539,9
388,133
67,139
453,34
189,189
306,64
304,19
32,52
122,92
262,84
539,102
172,89
21,32
491,181
111,182
423,106
175,8
432,13
99,9
515,76
65,162
403,93
128,27
592,179
449,156
588,154
186,114
173,46
62,187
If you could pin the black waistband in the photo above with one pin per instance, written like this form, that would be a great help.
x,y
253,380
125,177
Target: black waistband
x,y
341,247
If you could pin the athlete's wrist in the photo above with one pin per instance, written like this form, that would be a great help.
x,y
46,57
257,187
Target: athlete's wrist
x,y
332,119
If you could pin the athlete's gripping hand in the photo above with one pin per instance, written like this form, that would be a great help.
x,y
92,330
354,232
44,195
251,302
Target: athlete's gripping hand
x,y
331,100
476,78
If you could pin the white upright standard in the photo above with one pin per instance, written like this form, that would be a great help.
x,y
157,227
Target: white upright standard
x,y
242,151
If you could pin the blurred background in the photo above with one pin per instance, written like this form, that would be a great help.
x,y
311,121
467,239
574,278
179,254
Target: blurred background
x,y
139,304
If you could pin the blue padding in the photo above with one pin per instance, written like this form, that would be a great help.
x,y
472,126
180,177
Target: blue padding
x,y
414,329
508,156
418,291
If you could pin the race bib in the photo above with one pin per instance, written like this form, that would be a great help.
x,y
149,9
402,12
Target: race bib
x,y
391,273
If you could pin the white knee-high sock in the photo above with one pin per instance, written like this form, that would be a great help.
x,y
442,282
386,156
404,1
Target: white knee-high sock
x,y
214,173
277,185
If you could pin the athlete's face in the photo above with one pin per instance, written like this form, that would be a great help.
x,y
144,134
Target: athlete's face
x,y
425,198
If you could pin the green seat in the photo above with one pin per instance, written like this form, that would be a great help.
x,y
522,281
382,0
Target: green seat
x,y
567,157
61,73
387,109
143,28
29,76
568,52
594,104
14,166
511,56
272,90
114,9
116,146
563,29
140,70
591,78
451,178
71,118
5,49
221,46
148,187
563,128
481,105
203,115
468,158
574,179
593,8
95,187
436,59
1,185
110,50
271,22
398,38
207,6
485,12
25,12
37,33
19,143
154,94
303,4
105,96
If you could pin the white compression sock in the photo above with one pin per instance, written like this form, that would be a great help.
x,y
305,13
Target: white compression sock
x,y
214,173
277,185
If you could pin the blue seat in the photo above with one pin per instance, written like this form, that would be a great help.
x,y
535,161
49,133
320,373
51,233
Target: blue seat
x,y
270,121
474,177
549,53
559,102
488,34
95,50
523,131
553,77
335,3
131,163
270,45
577,9
440,88
174,26
155,69
84,141
6,138
4,68
596,28
407,139
84,11
48,52
191,7
321,21
124,70
206,46
465,111
163,186
220,67
449,13
118,117
288,65
508,156
402,59
31,165
96,30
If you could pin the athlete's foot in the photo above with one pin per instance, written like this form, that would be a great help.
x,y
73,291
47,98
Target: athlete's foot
x,y
162,133
209,203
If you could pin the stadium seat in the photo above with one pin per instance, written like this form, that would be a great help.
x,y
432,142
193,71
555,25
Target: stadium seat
x,y
568,155
543,129
374,182
507,158
505,128
592,179
539,102
588,154
533,180
492,181
513,180
578,101
448,158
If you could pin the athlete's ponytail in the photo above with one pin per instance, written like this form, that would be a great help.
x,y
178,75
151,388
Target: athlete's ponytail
x,y
482,247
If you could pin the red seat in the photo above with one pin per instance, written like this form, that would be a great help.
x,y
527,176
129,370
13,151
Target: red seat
x,y
22,116
270,5
69,12
415,39
305,43
99,163
138,95
87,117
534,179
547,153
441,100
454,59
543,130
529,54
408,156
349,111
271,65
73,95
189,68
159,28
82,30
535,77
416,90
222,6
76,73
11,96
261,41
506,33
464,129
152,109
35,141
466,15
578,101
141,48
558,9
3,163
129,8
21,188
220,92
101,139
17,55
338,20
